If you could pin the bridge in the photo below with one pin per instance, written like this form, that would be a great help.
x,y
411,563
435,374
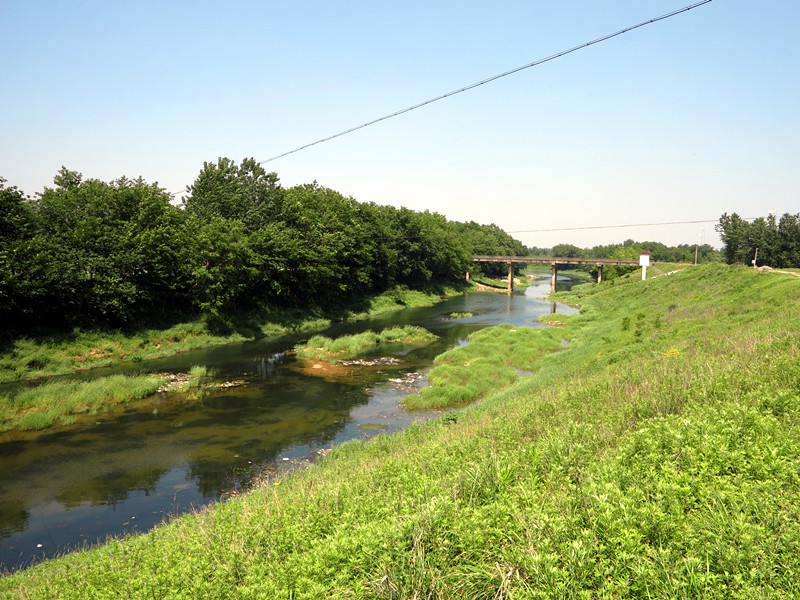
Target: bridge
x,y
553,261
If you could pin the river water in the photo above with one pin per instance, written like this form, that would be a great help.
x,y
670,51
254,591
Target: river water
x,y
167,454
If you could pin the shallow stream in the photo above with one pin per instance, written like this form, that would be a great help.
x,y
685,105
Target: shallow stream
x,y
129,470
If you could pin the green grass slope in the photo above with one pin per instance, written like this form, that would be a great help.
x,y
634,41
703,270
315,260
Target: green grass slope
x,y
657,457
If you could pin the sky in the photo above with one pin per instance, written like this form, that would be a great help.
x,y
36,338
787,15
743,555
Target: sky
x,y
680,120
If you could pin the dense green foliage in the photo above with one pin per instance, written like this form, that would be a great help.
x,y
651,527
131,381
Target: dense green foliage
x,y
119,254
489,240
321,347
657,457
777,242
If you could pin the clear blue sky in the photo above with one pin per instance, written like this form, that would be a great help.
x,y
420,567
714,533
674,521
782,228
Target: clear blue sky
x,y
680,120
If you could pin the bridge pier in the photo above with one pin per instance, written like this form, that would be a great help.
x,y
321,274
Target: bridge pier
x,y
554,262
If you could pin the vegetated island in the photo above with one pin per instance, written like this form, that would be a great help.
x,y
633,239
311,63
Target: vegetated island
x,y
343,347
337,357
657,456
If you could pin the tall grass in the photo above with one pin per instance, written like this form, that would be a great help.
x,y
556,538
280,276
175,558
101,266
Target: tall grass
x,y
321,347
59,402
491,361
61,354
198,372
657,457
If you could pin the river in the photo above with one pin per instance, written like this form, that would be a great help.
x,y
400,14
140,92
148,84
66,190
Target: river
x,y
130,470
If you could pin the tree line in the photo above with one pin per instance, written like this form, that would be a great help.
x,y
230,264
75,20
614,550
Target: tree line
x,y
775,241
119,253
630,250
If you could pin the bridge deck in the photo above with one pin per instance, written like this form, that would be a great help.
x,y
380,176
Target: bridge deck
x,y
555,260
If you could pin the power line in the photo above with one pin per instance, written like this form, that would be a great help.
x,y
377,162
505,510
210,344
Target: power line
x,y
490,79
483,82
455,234
617,226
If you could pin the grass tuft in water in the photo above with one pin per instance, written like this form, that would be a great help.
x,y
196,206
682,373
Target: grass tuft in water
x,y
198,371
459,315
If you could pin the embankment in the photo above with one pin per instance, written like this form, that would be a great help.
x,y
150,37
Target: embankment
x,y
659,456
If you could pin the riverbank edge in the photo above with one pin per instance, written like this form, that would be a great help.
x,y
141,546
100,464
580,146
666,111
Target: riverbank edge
x,y
60,403
654,446
28,359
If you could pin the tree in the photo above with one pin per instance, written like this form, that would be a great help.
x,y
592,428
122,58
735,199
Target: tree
x,y
16,229
789,232
567,251
16,218
106,252
223,264
489,240
246,193
778,242
734,232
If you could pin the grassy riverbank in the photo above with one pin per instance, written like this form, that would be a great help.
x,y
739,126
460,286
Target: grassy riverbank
x,y
63,402
494,359
657,457
61,353
60,402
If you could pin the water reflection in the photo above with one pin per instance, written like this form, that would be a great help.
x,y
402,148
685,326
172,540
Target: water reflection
x,y
128,470
266,366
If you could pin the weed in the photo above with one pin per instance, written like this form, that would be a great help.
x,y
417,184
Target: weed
x,y
459,315
198,371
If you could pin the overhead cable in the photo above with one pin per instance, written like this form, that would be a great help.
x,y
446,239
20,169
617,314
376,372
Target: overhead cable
x,y
438,235
490,79
616,226
484,81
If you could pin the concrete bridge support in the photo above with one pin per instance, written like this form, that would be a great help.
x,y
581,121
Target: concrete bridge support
x,y
554,262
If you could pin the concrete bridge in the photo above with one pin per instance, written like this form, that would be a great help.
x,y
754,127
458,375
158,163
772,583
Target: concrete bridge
x,y
553,261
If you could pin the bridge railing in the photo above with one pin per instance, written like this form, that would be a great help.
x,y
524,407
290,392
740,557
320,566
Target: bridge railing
x,y
558,260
